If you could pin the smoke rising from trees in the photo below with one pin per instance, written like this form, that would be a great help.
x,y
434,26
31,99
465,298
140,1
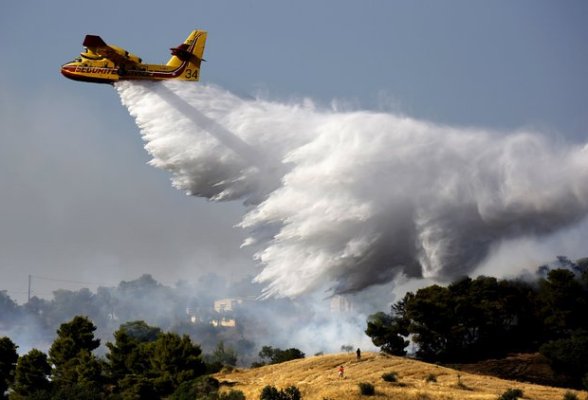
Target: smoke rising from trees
x,y
189,308
342,201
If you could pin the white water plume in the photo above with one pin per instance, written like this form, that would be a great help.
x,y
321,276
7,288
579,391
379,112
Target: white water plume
x,y
347,200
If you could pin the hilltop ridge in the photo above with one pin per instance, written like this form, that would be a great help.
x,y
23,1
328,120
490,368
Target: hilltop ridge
x,y
317,379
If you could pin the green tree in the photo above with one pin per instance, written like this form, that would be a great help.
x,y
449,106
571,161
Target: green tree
x,y
71,353
131,296
174,359
272,393
225,355
201,388
144,362
220,357
8,308
129,355
388,333
489,313
140,331
432,316
563,301
468,320
8,359
31,376
89,371
347,348
66,304
569,356
137,387
232,395
292,393
76,392
276,355
204,388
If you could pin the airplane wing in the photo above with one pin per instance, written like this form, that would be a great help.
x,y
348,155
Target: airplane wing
x,y
115,54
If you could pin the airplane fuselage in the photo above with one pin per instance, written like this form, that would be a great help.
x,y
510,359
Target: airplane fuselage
x,y
107,72
104,63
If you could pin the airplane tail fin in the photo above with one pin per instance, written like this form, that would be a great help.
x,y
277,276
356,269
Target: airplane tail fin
x,y
191,51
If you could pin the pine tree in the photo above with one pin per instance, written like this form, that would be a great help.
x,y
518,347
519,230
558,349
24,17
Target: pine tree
x,y
31,376
71,351
174,359
8,358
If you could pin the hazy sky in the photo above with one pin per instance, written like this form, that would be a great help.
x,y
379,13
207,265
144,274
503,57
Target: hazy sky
x,y
78,201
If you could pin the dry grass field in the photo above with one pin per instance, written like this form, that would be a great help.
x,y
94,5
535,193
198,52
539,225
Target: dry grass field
x,y
317,378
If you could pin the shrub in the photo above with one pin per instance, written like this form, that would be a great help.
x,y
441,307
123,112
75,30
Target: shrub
x,y
390,377
570,396
347,348
431,378
258,364
511,394
269,393
276,356
366,389
201,387
292,393
569,355
272,393
232,395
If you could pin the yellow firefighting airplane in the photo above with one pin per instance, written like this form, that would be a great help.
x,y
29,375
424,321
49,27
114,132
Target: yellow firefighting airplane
x,y
104,63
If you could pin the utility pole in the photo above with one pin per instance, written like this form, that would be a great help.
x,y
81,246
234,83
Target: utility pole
x,y
29,291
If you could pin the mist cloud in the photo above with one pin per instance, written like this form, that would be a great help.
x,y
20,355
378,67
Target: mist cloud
x,y
342,201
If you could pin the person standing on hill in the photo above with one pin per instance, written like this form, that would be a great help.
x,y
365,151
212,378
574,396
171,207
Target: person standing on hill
x,y
341,372
358,352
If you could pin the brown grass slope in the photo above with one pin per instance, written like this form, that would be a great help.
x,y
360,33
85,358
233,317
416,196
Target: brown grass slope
x,y
317,378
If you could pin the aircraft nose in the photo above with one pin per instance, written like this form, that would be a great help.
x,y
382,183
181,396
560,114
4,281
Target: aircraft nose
x,y
66,70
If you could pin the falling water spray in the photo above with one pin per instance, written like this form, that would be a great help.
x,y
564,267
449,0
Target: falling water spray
x,y
342,201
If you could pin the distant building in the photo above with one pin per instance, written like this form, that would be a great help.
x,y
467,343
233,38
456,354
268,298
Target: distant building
x,y
193,316
226,308
224,322
226,305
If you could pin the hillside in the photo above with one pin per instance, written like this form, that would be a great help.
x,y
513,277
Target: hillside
x,y
317,378
527,367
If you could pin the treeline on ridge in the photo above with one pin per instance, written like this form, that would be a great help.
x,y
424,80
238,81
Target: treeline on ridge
x,y
483,318
186,308
142,362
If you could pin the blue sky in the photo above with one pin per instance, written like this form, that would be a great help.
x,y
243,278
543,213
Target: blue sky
x,y
78,201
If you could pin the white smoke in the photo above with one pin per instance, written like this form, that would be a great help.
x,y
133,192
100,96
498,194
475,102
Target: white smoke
x,y
347,200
